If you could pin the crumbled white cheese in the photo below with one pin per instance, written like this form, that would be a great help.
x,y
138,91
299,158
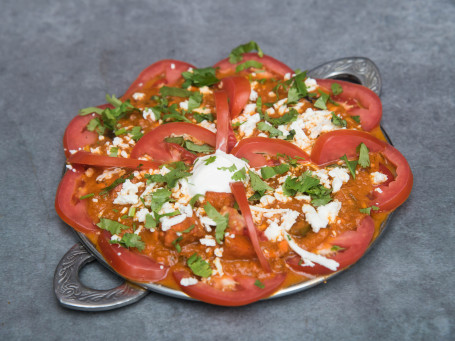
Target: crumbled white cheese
x,y
208,125
267,200
172,66
218,267
208,240
273,232
279,195
378,190
311,84
128,193
205,90
115,238
378,178
218,252
324,214
184,105
187,281
168,222
253,96
249,108
141,214
138,96
340,176
148,114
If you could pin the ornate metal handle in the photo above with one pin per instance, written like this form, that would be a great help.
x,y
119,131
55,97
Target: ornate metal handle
x,y
355,69
72,294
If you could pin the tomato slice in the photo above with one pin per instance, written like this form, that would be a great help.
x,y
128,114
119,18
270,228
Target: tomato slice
x,y
245,290
76,134
86,158
366,103
333,145
166,71
395,192
330,146
223,121
238,90
353,244
69,207
130,264
271,65
154,145
238,189
254,148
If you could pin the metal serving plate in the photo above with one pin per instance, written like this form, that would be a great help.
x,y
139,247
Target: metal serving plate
x,y
71,293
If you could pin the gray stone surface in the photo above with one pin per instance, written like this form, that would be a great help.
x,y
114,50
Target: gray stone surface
x,y
59,56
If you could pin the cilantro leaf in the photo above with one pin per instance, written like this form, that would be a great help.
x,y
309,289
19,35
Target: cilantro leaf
x,y
258,184
203,117
367,210
231,168
239,175
199,148
298,88
113,152
194,101
209,160
114,227
249,63
130,240
195,199
338,121
350,164
364,157
90,110
199,266
117,182
288,117
336,89
136,133
236,54
170,178
176,244
322,100
175,139
273,132
259,284
87,196
176,92
150,221
200,77
95,125
356,118
220,220
269,172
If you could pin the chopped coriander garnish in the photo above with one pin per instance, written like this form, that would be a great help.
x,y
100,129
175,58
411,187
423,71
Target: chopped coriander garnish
x,y
200,77
150,221
90,110
239,175
258,185
117,182
269,172
236,54
199,266
364,157
298,88
176,244
176,92
350,164
210,160
198,148
194,101
95,125
203,117
114,227
130,240
367,210
171,178
249,63
308,184
189,229
113,152
132,211
220,220
322,100
338,121
136,133
159,198
231,168
336,89
293,162
259,284
356,118
273,132
195,199
288,117
336,248
237,124
87,196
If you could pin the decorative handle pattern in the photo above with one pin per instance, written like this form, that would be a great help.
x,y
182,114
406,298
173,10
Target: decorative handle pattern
x,y
360,69
71,293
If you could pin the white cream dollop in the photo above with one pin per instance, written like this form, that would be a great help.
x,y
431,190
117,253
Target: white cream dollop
x,y
209,177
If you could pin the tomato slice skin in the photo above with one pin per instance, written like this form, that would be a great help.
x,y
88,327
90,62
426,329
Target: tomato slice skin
x,y
333,145
86,158
269,64
252,148
223,121
238,90
171,70
154,145
371,111
396,192
238,189
70,208
129,264
330,146
355,244
246,291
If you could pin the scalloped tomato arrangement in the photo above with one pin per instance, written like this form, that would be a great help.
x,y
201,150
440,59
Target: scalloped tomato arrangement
x,y
233,181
